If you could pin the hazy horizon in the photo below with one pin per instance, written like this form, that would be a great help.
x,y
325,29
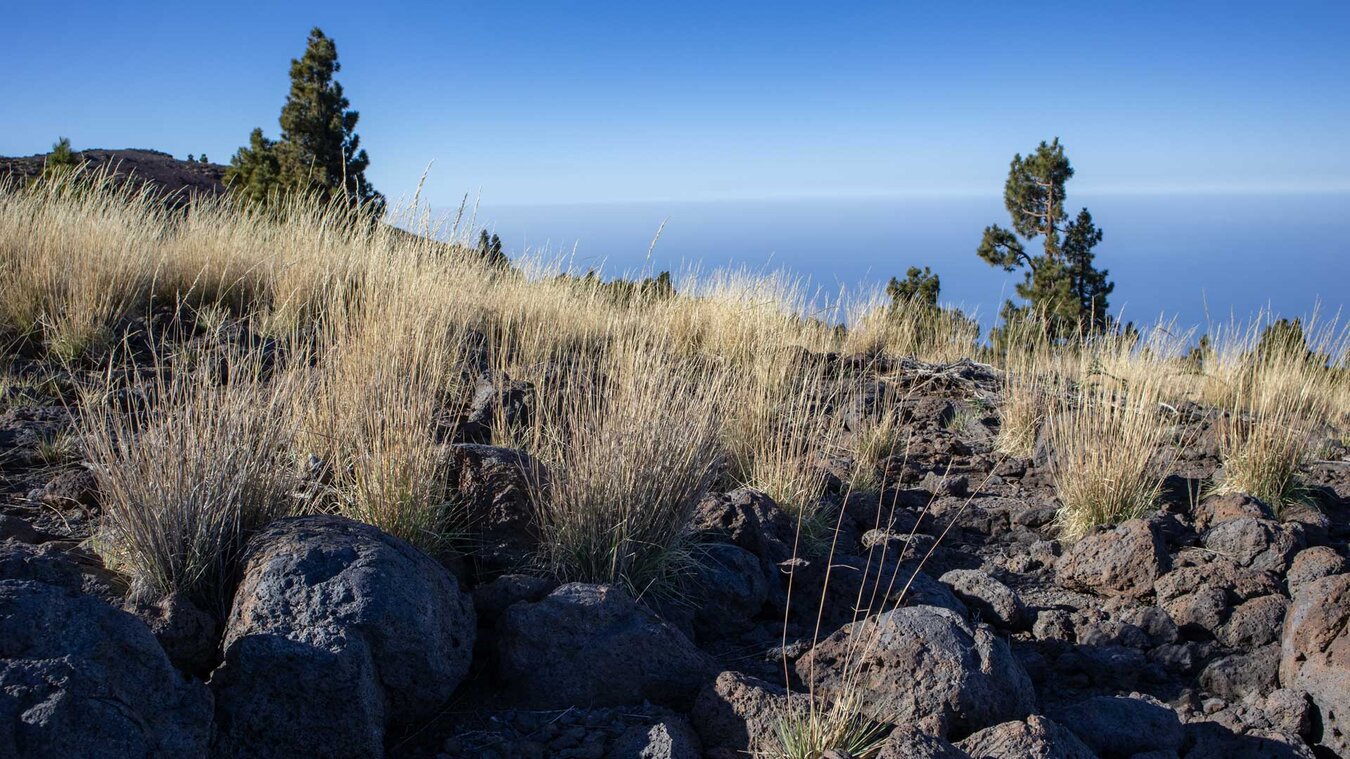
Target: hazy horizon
x,y
1198,258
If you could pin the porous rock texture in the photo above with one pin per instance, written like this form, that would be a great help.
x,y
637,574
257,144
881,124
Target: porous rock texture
x,y
923,666
81,678
1315,655
1036,738
947,595
337,631
593,645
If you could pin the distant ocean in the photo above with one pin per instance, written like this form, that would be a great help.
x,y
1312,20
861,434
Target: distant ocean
x,y
1196,258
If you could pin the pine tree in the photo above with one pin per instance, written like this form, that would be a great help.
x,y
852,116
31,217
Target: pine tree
x,y
319,148
1283,339
1061,286
61,160
490,248
191,158
319,152
920,286
255,171
1090,286
202,159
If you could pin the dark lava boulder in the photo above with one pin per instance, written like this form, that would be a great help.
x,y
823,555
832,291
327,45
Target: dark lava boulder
x,y
925,667
1313,564
593,645
1246,672
669,738
44,564
491,487
750,519
79,678
741,714
337,630
728,589
1253,542
1124,560
1227,507
1315,655
995,602
1122,726
906,743
188,634
1036,738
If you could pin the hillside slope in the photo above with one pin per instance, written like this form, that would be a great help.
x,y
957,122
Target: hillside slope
x,y
170,174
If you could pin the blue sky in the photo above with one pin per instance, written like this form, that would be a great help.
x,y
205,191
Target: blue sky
x,y
567,102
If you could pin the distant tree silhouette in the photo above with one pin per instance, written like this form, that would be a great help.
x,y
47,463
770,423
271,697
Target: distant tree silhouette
x,y
1283,339
918,286
490,248
255,171
61,159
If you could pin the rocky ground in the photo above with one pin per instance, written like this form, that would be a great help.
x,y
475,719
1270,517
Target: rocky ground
x,y
1208,629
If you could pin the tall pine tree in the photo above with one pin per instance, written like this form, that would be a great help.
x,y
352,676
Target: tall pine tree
x,y
1088,284
319,151
1061,285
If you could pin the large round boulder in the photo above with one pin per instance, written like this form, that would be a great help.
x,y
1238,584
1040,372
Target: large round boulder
x,y
593,645
925,667
336,631
79,678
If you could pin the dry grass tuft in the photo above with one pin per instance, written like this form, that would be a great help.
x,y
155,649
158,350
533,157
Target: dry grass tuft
x,y
383,392
77,254
780,428
633,447
189,467
808,731
1106,437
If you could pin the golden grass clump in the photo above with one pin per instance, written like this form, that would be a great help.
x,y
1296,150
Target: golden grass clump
x,y
1106,436
1279,384
386,384
632,448
1264,453
77,253
1022,412
189,466
913,328
877,438
779,430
